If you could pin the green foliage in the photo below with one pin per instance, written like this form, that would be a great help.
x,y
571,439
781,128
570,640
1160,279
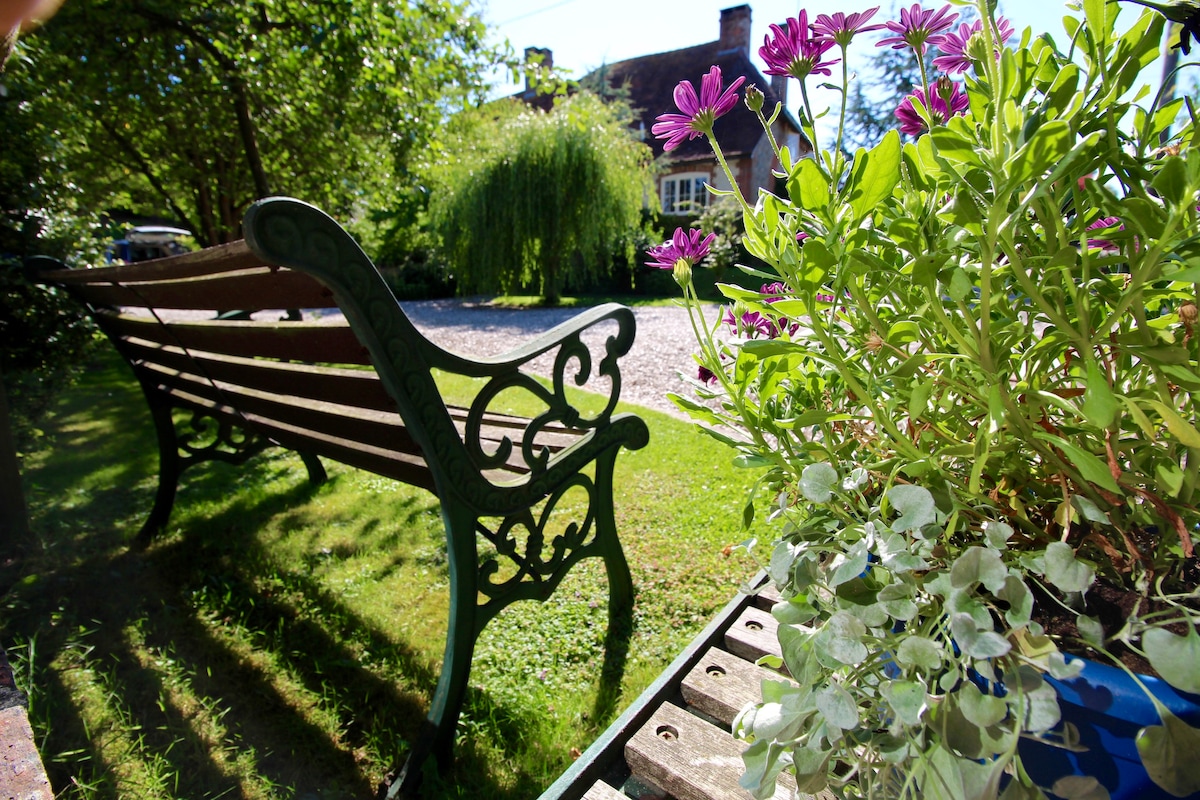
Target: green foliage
x,y
980,382
193,110
537,200
45,333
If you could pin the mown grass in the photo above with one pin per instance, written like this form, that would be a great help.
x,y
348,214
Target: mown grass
x,y
283,640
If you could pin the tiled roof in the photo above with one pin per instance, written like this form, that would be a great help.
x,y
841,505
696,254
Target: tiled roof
x,y
652,80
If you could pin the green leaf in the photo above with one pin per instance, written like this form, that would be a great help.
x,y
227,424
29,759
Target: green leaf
x,y
1182,430
978,565
1065,571
916,507
1140,418
1170,753
982,709
952,145
817,482
1080,787
1090,467
1049,145
850,565
1099,404
840,640
920,652
874,175
807,186
906,233
975,642
793,612
1175,658
1040,710
1171,182
997,534
837,706
907,699
1091,630
1186,275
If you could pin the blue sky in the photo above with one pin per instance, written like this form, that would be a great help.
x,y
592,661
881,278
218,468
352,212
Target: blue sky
x,y
587,33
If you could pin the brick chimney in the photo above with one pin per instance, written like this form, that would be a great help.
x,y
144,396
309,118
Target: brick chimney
x,y
735,29
544,58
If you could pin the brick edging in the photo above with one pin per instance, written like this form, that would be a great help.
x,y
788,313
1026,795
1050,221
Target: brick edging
x,y
22,776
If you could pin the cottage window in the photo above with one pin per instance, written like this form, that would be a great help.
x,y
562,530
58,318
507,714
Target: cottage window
x,y
684,192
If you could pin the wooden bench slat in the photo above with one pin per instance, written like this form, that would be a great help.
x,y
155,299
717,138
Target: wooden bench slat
x,y
209,261
361,388
261,288
346,424
721,683
691,759
286,341
407,467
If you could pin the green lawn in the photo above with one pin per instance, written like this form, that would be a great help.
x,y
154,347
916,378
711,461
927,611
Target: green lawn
x,y
282,640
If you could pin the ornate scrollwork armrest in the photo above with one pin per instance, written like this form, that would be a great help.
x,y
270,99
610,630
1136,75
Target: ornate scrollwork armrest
x,y
573,361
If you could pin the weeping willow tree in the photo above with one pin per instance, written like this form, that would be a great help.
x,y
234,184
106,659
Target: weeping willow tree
x,y
528,199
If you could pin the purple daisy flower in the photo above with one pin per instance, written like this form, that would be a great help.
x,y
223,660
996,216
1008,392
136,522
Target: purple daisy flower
x,y
841,28
948,99
1102,224
793,50
751,325
689,246
915,27
953,45
698,114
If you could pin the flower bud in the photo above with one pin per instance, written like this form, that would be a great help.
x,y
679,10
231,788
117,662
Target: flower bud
x,y
754,98
945,88
976,48
1188,314
682,272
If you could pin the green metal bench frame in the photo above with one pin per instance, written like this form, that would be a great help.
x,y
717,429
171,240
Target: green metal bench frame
x,y
498,477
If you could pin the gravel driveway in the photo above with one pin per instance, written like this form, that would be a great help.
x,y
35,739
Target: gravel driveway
x,y
661,350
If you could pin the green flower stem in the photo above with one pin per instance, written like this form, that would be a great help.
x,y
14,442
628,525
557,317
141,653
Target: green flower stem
x,y
812,121
845,92
766,126
846,371
711,354
991,70
737,192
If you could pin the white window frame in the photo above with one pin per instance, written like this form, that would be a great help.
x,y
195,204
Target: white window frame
x,y
691,200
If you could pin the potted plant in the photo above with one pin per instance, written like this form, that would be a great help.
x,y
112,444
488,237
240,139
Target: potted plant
x,y
970,383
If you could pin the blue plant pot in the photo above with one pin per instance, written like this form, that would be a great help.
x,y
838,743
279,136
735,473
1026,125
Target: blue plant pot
x,y
1109,709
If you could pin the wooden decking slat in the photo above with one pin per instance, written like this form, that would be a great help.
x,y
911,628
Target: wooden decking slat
x,y
753,635
722,684
690,758
602,791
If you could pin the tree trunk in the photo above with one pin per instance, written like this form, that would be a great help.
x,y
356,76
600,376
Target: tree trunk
x,y
550,293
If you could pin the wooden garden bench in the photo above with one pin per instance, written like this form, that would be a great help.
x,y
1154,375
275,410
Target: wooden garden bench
x,y
253,383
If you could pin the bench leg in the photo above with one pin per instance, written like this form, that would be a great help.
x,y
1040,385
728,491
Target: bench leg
x,y
168,472
316,470
437,733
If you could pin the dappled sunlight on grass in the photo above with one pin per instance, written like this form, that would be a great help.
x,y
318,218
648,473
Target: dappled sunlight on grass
x,y
282,638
